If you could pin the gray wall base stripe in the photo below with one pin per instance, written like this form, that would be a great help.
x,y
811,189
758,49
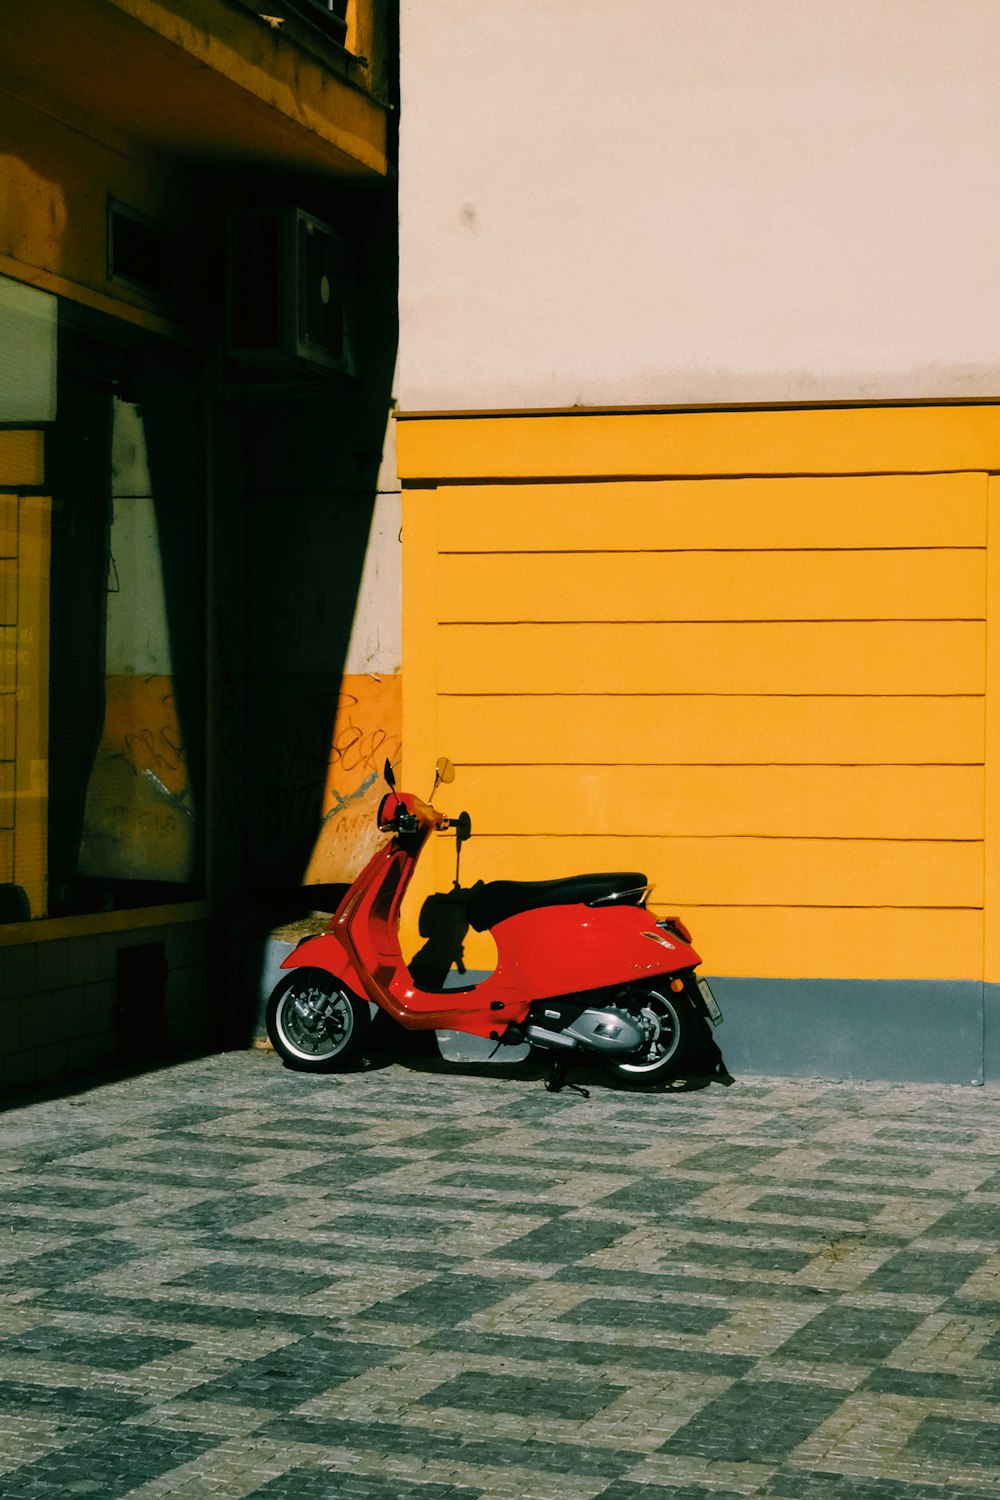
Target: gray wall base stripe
x,y
868,1030
913,1031
991,1032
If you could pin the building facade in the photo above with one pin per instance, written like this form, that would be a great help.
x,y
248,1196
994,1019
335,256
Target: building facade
x,y
197,339
699,427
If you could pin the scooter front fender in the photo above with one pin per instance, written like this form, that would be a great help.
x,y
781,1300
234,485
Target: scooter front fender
x,y
327,952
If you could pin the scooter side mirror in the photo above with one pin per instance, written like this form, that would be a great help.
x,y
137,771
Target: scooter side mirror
x,y
444,771
388,773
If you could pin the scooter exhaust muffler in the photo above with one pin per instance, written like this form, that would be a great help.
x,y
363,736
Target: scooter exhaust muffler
x,y
542,1037
607,1030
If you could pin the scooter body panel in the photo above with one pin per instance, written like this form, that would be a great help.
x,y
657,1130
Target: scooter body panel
x,y
543,953
416,1009
564,950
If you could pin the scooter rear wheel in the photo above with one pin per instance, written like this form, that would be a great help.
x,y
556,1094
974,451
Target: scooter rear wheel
x,y
670,1020
314,1023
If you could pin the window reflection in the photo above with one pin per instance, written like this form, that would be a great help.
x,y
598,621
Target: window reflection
x,y
139,811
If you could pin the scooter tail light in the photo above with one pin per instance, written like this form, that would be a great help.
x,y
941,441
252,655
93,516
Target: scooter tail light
x,y
676,926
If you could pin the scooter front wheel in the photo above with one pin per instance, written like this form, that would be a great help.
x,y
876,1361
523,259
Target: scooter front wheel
x,y
668,1020
314,1023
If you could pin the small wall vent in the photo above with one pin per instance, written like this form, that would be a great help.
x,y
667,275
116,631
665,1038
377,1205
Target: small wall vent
x,y
138,251
290,302
141,1001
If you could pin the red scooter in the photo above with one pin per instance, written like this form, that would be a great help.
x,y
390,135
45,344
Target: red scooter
x,y
583,967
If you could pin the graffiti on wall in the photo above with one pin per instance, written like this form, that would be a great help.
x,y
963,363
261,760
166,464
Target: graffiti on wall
x,y
367,731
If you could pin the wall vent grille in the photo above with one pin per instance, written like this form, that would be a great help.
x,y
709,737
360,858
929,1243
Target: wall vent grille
x,y
138,251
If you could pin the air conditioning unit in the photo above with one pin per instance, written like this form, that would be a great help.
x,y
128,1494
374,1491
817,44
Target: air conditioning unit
x,y
290,304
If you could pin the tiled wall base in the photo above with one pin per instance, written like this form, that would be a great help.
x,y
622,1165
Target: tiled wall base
x,y
60,1011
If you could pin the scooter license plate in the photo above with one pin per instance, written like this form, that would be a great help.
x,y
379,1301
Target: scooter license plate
x,y
710,1003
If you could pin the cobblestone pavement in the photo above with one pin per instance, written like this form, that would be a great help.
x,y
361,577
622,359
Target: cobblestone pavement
x,y
411,1283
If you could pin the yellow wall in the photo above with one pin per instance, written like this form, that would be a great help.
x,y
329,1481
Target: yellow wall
x,y
769,693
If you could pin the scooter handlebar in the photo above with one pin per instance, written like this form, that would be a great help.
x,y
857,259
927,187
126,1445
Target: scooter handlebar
x,y
409,814
429,815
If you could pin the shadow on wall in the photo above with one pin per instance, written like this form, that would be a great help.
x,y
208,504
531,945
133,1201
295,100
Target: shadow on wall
x,y
313,461
444,923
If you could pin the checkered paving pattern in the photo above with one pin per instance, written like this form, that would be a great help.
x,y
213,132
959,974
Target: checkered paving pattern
x,y
416,1283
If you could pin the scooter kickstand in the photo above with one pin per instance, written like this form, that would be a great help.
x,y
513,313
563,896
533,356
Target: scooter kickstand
x,y
556,1080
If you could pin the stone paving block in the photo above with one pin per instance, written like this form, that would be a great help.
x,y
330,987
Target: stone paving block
x,y
733,1256
229,1280
587,1352
567,1239
934,1273
222,1211
796,1485
120,1351
646,1317
658,1197
291,1375
444,1301
485,1452
756,1420
329,1484
851,1335
70,1402
944,1385
252,1280
972,1444
976,1219
625,1489
25,1192
477,1390
73,1263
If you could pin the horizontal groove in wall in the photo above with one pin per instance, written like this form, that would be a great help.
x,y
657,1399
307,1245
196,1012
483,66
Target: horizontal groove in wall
x,y
676,476
690,550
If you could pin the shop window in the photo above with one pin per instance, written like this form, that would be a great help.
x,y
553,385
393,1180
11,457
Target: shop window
x,y
28,326
101,676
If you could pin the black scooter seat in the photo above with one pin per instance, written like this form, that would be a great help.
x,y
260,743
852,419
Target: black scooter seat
x,y
493,903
